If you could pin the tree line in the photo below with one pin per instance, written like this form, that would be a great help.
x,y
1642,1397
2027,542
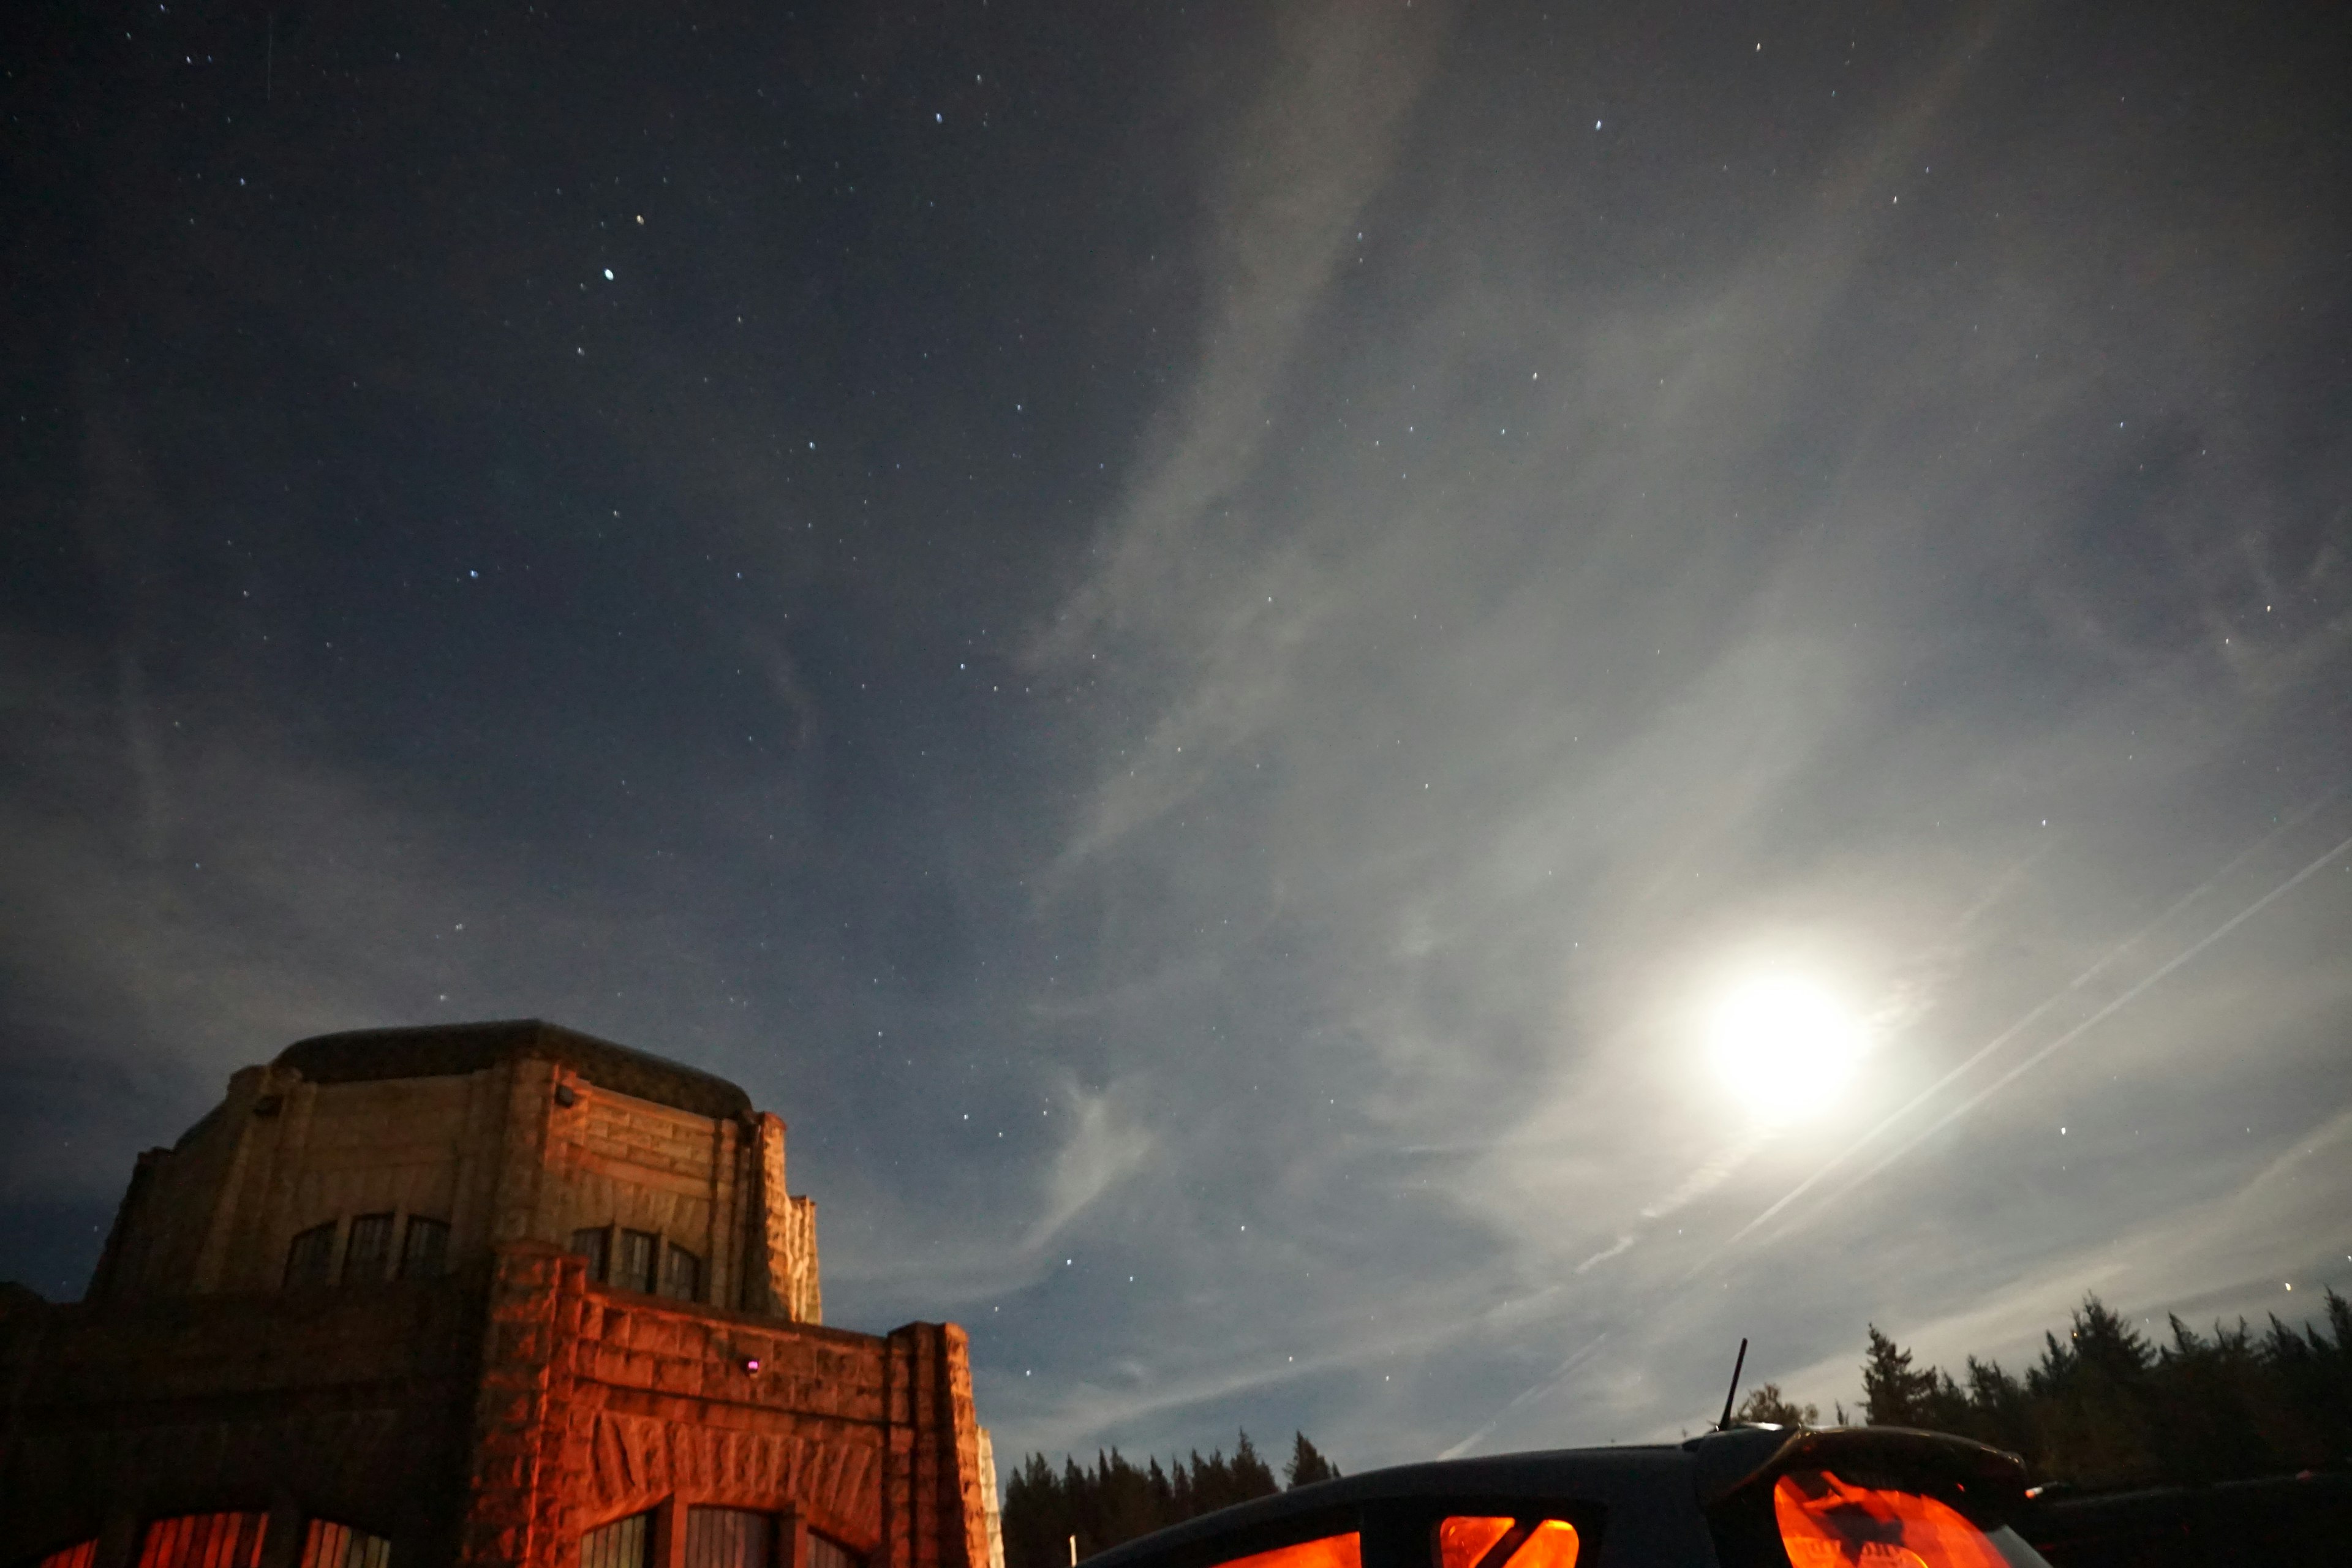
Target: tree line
x,y
1115,1501
2107,1406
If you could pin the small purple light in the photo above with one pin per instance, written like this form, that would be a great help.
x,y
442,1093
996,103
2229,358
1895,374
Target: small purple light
x,y
750,1364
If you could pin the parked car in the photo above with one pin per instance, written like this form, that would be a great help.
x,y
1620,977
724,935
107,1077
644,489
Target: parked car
x,y
1750,1497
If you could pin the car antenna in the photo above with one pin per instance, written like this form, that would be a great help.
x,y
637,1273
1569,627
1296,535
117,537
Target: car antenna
x,y
1736,1365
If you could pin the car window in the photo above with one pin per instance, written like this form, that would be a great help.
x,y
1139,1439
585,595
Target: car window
x,y
1328,1552
1484,1541
1826,1521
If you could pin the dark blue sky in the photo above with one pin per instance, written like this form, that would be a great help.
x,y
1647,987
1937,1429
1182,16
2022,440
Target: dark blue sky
x,y
1204,640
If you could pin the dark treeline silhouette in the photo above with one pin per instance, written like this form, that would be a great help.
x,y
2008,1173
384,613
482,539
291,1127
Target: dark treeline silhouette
x,y
1114,1502
2106,1406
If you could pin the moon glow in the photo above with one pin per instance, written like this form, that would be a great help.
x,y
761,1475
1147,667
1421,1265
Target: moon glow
x,y
1785,1047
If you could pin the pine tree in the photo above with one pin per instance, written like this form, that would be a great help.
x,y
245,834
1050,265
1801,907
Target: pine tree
x,y
1892,1393
1307,1465
1252,1475
2104,1406
1112,1500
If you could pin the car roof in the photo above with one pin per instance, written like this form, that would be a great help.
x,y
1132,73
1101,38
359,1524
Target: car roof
x,y
1655,1491
1661,1475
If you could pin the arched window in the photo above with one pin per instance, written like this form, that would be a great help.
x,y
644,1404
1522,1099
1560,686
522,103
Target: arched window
x,y
81,1556
593,1243
331,1545
639,1260
681,1274
310,1257
204,1540
624,1543
825,1552
633,1262
729,1538
368,1253
424,1255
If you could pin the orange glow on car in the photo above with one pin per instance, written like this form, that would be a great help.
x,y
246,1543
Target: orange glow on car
x,y
1467,1541
1551,1544
1826,1522
1330,1552
1463,1541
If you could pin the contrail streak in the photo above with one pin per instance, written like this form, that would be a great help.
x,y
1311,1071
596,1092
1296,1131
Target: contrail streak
x,y
2006,1036
1526,1397
2021,1069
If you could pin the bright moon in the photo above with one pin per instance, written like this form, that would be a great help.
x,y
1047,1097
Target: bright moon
x,y
1785,1047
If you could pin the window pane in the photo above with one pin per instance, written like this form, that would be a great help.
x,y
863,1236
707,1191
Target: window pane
x,y
369,1249
1332,1552
331,1545
1487,1541
1826,1522
727,1538
1551,1544
1462,1542
307,1260
425,1253
826,1554
204,1540
633,1270
590,1244
624,1543
681,1275
80,1556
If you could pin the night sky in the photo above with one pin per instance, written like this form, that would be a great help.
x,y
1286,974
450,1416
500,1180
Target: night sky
x,y
1211,643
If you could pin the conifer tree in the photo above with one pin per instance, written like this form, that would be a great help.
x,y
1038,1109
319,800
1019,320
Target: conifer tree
x,y
2104,1405
1306,1464
1892,1393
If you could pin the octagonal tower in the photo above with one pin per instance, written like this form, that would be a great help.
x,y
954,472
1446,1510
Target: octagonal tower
x,y
500,1295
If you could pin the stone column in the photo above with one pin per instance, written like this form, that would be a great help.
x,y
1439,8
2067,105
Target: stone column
x,y
781,1279
525,1455
934,1506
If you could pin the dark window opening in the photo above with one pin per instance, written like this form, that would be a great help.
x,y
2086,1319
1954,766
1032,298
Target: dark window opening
x,y
204,1540
825,1552
633,1262
424,1254
331,1545
681,1275
592,1244
369,1251
729,1538
624,1543
311,1254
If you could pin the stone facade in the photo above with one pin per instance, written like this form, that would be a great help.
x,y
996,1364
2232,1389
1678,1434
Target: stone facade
x,y
478,1293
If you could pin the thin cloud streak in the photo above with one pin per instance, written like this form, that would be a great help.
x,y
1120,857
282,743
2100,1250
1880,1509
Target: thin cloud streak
x,y
1993,1046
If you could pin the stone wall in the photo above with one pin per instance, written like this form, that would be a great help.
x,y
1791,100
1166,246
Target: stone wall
x,y
215,1212
355,1404
488,1420
526,1149
595,1406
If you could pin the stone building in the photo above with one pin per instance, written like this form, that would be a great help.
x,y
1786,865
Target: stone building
x,y
487,1294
